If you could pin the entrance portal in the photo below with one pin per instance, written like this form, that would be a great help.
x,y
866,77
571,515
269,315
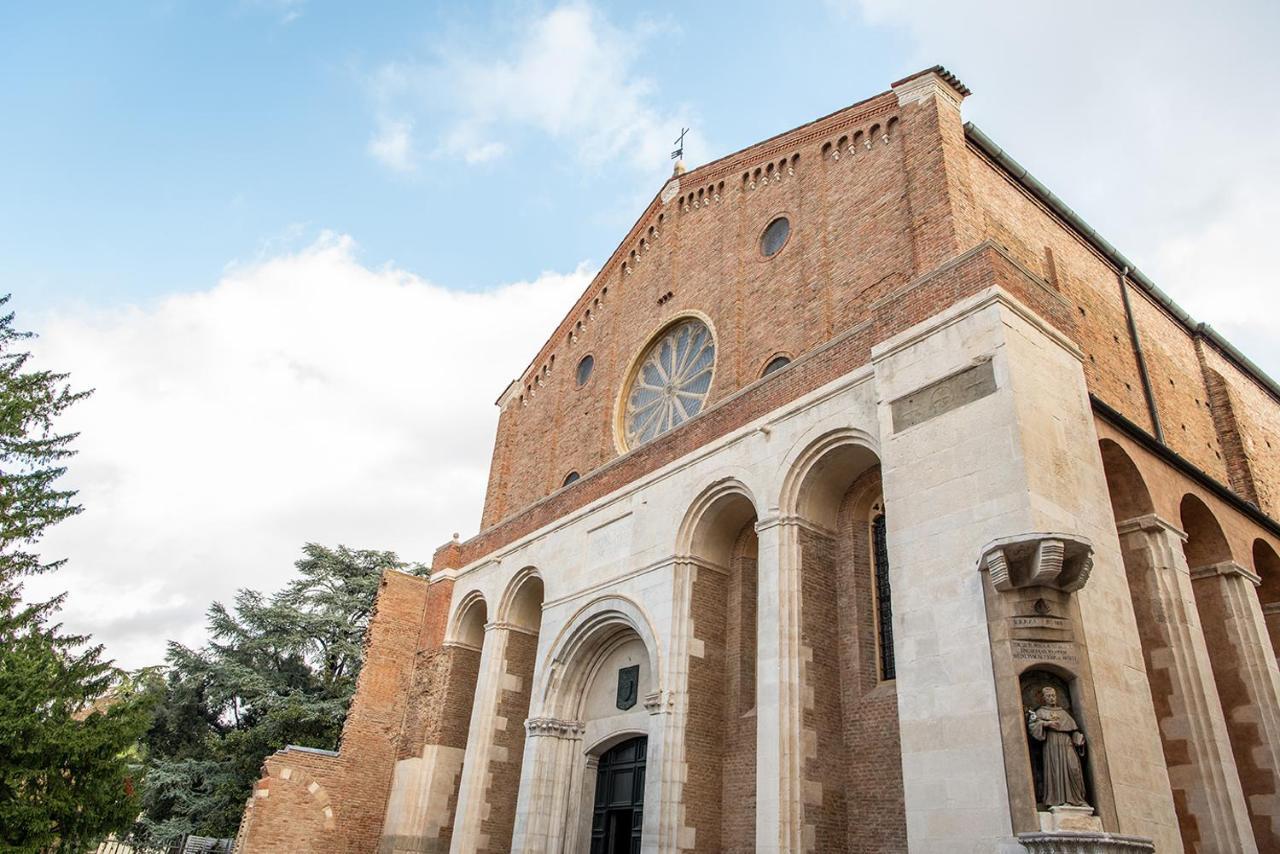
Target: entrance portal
x,y
619,810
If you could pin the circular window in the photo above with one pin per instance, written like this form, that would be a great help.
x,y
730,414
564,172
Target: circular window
x,y
775,236
777,363
670,385
570,478
584,370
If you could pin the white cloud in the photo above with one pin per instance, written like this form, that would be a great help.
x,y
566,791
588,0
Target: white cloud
x,y
304,397
392,145
1156,122
568,74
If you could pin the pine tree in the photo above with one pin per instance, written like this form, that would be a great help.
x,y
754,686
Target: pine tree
x,y
277,670
68,719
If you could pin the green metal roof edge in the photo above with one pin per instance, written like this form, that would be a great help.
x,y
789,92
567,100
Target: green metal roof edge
x,y
1104,247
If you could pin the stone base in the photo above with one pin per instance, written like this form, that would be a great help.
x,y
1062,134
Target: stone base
x,y
1068,818
1087,842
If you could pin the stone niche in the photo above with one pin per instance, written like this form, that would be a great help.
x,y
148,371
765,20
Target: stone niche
x,y
1042,675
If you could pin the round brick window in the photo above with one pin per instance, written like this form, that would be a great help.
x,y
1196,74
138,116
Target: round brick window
x,y
671,384
775,236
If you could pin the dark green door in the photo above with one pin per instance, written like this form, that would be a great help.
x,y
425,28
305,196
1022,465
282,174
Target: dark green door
x,y
619,811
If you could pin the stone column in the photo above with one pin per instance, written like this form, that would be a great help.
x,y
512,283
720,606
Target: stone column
x,y
779,691
1244,668
473,790
551,749
1202,768
1271,615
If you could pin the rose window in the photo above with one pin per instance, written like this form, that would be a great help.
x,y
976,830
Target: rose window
x,y
670,385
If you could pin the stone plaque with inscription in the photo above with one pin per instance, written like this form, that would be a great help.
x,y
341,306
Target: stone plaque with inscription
x,y
943,396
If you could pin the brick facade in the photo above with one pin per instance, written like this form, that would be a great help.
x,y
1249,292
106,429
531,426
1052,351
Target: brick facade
x,y
896,214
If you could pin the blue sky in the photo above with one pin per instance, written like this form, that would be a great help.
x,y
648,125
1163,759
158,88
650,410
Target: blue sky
x,y
298,248
149,144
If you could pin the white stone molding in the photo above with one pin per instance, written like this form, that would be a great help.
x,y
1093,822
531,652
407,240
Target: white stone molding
x,y
780,695
924,87
1228,569
1060,561
554,727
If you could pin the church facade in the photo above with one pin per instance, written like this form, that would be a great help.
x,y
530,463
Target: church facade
x,y
868,500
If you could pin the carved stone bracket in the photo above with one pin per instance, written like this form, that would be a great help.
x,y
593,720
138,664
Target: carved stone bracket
x,y
554,727
1066,842
1060,561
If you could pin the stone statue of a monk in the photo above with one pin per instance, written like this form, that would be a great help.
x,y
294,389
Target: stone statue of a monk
x,y
1063,742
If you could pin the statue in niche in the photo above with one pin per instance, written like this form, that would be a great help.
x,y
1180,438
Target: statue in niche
x,y
1060,772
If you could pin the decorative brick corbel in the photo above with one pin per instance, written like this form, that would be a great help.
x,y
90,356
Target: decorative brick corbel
x,y
1060,561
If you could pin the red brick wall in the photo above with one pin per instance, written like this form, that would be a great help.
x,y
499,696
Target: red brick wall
x,y
357,781
1257,419
877,819
820,672
738,791
720,746
980,268
850,239
1235,444
704,734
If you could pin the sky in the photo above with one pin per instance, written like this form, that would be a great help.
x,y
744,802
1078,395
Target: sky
x,y
299,248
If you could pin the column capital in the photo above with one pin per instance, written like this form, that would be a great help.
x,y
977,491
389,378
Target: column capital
x,y
1150,522
1226,568
790,520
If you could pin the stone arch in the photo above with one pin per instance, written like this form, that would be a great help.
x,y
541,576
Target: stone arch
x,y
574,697
1130,497
828,495
521,603
725,506
820,475
591,633
719,543
469,619
1206,542
612,739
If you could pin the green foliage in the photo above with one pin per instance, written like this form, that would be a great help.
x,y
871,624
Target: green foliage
x,y
68,719
277,670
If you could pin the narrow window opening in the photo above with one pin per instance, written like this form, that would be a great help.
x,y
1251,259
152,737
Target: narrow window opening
x,y
884,602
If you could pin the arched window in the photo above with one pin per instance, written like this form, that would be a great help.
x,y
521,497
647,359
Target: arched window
x,y
777,363
884,599
571,477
